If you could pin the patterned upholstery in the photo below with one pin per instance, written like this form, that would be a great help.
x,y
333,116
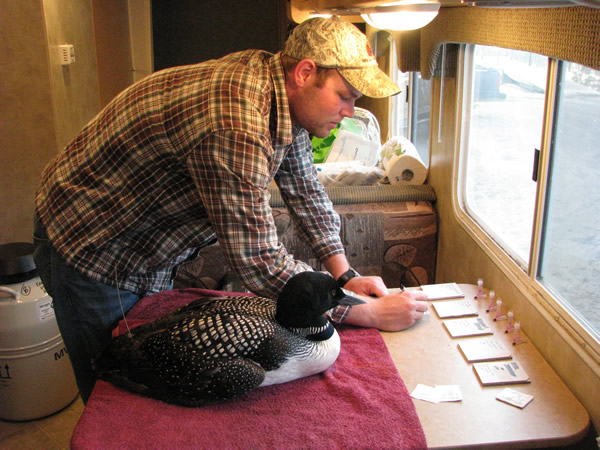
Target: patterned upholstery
x,y
395,239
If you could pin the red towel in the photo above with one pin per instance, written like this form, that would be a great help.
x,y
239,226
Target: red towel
x,y
359,402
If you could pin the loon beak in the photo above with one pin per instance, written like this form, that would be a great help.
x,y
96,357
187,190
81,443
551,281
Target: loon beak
x,y
349,298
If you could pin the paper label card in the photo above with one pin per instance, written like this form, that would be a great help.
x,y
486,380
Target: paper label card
x,y
487,349
492,373
438,393
472,326
449,392
442,290
515,398
424,392
455,308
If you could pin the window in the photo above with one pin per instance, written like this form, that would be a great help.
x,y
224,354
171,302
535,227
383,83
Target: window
x,y
420,107
506,109
399,119
411,109
505,98
570,254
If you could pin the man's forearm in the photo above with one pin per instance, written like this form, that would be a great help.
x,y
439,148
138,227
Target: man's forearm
x,y
336,265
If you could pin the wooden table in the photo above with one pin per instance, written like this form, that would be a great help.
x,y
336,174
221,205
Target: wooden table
x,y
427,354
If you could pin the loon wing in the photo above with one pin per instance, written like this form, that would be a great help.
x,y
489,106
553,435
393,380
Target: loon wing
x,y
204,352
210,305
169,371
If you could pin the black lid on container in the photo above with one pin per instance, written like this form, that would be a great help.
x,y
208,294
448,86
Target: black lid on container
x,y
16,262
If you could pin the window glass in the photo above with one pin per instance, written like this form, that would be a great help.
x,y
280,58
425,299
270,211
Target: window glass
x,y
570,251
420,115
399,119
414,103
505,123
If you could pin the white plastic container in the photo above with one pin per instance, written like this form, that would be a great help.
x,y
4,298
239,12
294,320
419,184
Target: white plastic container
x,y
36,378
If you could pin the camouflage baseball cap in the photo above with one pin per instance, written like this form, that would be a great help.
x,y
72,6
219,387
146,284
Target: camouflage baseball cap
x,y
336,44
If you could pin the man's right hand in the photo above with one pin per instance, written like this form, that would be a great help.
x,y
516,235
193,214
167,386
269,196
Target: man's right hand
x,y
393,312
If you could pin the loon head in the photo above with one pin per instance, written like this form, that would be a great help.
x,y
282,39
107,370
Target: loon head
x,y
307,296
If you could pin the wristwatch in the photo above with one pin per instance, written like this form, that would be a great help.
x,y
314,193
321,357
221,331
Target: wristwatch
x,y
347,276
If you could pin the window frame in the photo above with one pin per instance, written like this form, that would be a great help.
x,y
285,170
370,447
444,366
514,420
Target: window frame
x,y
561,319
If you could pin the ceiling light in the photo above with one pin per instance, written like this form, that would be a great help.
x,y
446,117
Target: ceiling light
x,y
400,16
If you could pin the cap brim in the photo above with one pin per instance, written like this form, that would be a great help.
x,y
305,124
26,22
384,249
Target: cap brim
x,y
370,81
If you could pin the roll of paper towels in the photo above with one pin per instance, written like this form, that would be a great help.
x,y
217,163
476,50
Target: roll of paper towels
x,y
402,163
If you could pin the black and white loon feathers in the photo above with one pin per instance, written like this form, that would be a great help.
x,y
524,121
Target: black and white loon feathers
x,y
218,348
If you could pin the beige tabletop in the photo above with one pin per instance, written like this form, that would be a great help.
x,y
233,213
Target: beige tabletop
x,y
427,354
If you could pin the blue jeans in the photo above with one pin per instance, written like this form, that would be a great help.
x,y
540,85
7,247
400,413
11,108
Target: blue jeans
x,y
86,310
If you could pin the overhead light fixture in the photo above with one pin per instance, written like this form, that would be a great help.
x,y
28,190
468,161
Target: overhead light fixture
x,y
400,16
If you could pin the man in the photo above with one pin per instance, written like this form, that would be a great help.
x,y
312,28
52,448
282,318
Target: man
x,y
185,157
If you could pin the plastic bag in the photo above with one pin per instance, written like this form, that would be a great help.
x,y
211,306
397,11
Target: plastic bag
x,y
356,138
349,173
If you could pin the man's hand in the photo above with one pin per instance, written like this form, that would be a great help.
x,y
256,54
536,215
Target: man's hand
x,y
393,312
369,286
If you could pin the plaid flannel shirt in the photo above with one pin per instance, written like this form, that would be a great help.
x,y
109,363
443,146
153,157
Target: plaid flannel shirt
x,y
178,160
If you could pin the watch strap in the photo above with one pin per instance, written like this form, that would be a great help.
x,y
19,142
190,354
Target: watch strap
x,y
347,276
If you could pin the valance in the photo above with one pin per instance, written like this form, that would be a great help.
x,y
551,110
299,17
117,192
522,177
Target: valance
x,y
566,33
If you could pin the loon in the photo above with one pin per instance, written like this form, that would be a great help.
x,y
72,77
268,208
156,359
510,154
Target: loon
x,y
218,348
